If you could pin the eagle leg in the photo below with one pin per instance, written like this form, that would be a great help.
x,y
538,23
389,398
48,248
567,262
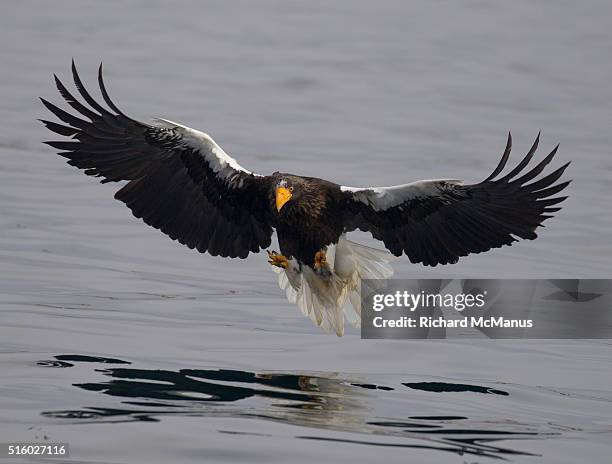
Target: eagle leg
x,y
320,264
277,260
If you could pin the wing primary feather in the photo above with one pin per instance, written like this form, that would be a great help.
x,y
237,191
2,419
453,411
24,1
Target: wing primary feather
x,y
547,180
537,170
64,116
552,201
105,95
66,146
524,162
552,190
59,128
73,101
503,161
88,98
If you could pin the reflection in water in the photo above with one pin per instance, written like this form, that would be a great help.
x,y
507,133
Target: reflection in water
x,y
62,360
319,402
453,387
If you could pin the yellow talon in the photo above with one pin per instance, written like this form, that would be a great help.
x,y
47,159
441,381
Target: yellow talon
x,y
320,259
320,264
277,260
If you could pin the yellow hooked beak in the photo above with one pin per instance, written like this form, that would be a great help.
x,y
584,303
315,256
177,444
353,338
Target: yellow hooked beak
x,y
283,195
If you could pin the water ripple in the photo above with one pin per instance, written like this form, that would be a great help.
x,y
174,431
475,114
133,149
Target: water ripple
x,y
338,402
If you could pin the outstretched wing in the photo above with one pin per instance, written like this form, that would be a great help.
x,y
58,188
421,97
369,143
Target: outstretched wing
x,y
437,221
180,180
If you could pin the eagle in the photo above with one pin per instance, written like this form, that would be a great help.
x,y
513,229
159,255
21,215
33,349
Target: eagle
x,y
181,182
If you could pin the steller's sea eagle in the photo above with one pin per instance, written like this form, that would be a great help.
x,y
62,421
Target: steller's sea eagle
x,y
182,183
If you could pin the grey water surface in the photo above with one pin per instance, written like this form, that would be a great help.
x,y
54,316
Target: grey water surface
x,y
132,348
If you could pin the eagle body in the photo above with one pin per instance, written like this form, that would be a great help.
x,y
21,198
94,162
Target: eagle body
x,y
178,180
310,222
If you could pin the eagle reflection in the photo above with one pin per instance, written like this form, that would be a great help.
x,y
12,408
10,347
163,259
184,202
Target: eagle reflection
x,y
320,402
150,393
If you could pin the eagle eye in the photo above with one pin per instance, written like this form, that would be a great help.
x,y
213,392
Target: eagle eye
x,y
291,189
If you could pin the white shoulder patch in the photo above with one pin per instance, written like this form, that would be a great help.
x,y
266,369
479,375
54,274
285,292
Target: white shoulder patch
x,y
381,198
220,162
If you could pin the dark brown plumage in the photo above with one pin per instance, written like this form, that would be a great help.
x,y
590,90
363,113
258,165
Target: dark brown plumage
x,y
311,220
181,182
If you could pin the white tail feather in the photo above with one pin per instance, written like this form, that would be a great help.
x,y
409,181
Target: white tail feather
x,y
327,301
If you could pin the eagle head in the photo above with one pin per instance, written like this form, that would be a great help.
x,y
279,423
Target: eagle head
x,y
301,196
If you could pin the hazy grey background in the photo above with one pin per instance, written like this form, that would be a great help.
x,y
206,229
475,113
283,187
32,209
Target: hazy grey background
x,y
360,93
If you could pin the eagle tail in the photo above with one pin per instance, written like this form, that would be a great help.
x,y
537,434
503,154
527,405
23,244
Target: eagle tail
x,y
328,301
